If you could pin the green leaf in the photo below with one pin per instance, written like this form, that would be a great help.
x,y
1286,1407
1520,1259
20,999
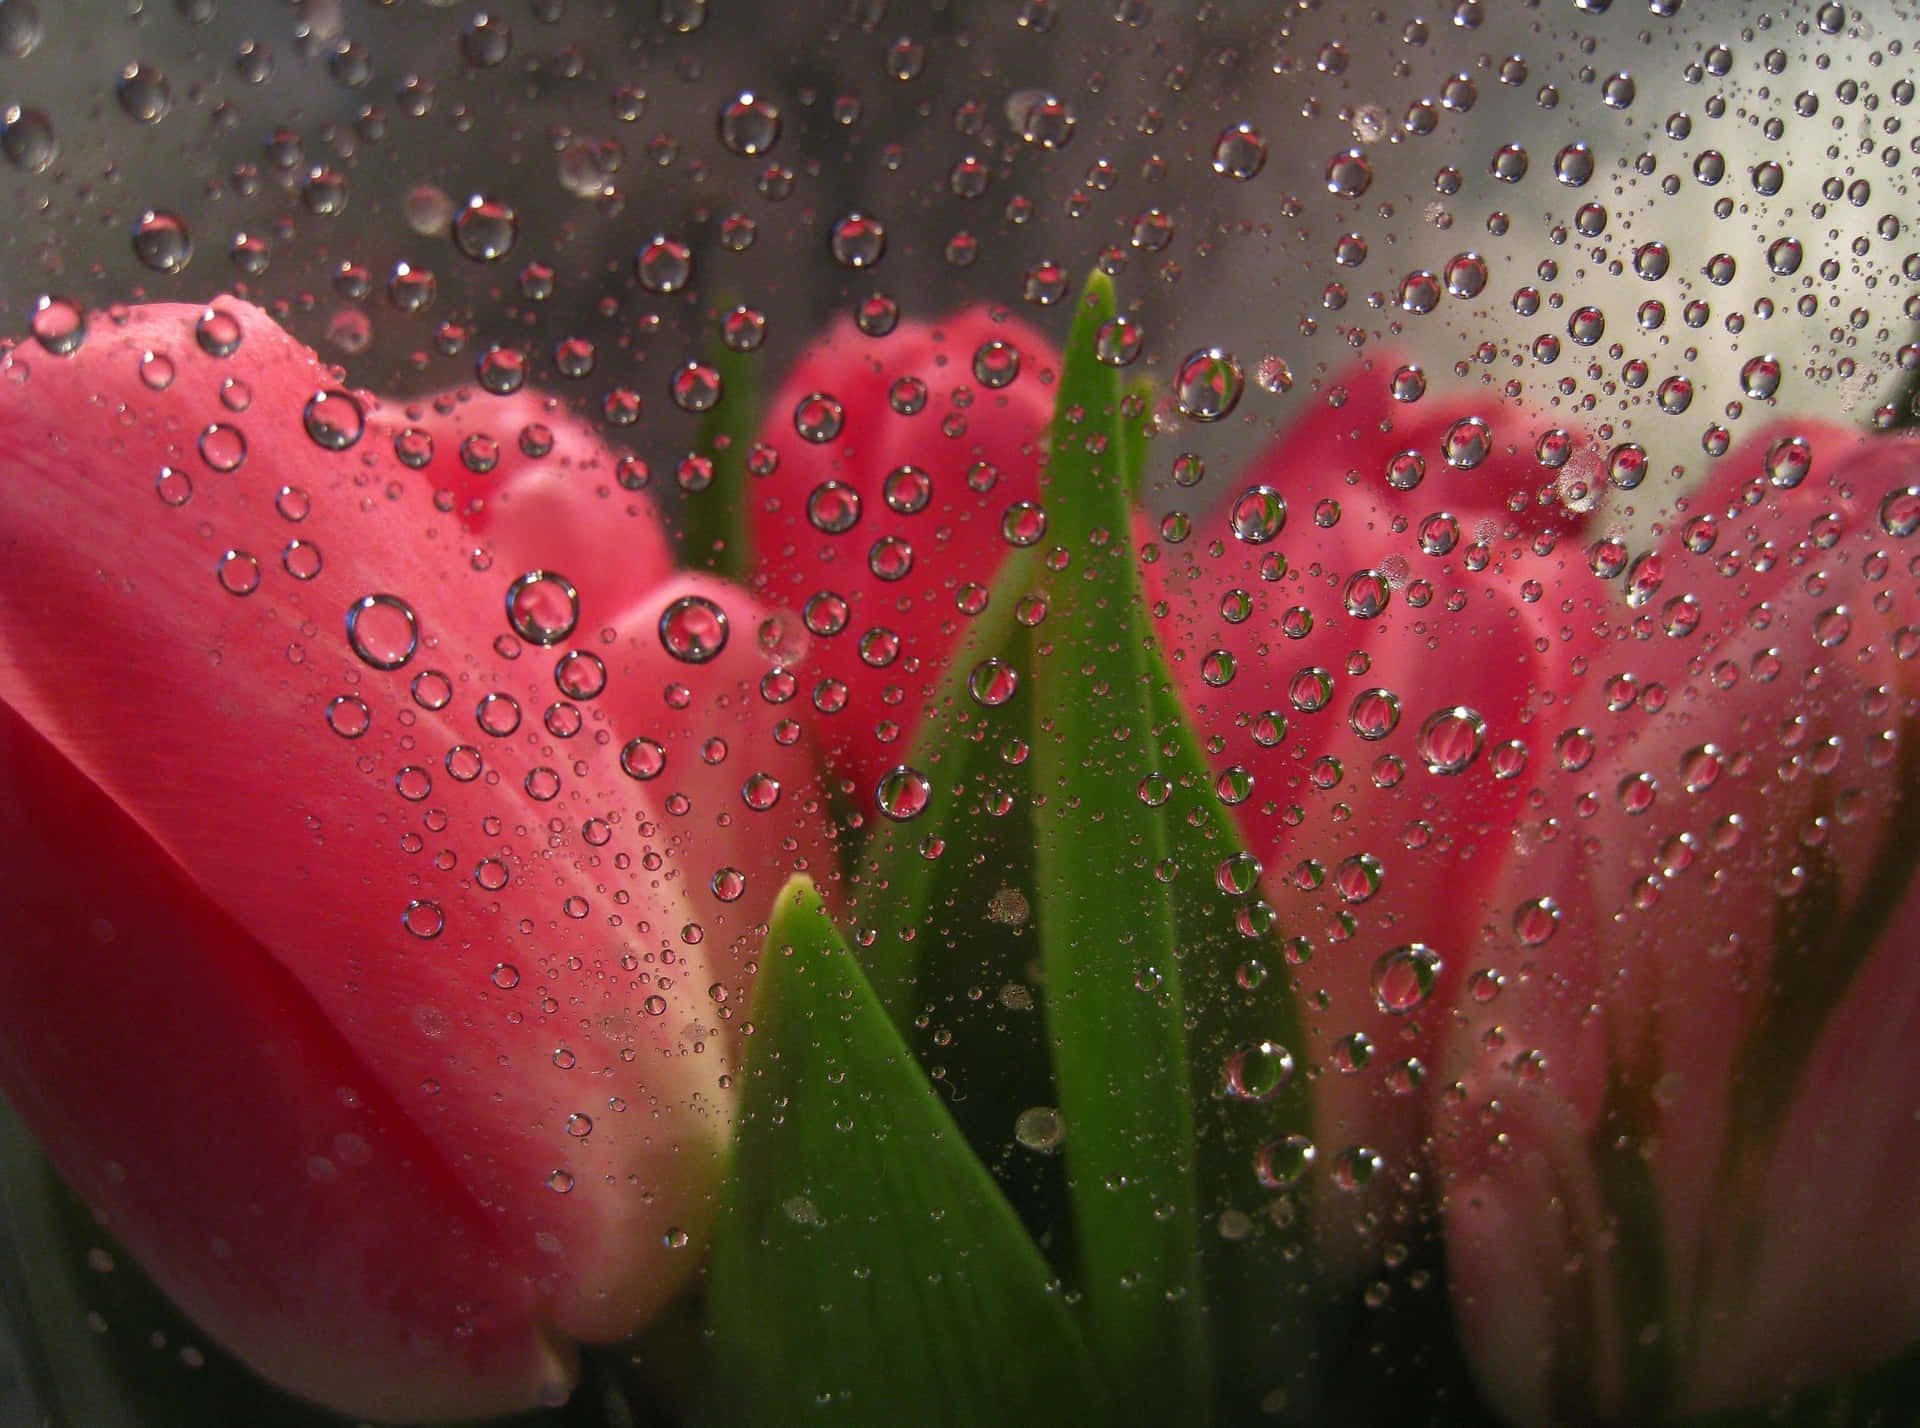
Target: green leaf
x,y
713,522
1108,929
865,1269
927,869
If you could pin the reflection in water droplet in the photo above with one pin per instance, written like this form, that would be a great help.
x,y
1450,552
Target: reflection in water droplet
x,y
833,507
1258,1072
161,241
423,919
1349,174
1451,739
1259,514
486,229
859,240
818,417
238,572
664,265
333,419
1404,978
1282,1162
1239,152
1208,384
543,607
348,716
27,138
1040,1128
383,631
59,325
749,124
144,93
693,629
904,793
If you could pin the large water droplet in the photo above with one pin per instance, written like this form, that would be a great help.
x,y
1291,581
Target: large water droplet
x,y
693,629
383,631
543,607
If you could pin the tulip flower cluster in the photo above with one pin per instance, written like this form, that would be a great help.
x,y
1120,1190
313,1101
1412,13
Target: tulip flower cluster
x,y
394,834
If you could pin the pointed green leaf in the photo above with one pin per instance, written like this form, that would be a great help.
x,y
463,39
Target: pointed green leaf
x,y
925,869
1109,936
865,1269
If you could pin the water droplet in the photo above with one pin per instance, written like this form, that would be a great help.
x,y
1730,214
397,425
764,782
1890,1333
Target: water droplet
x,y
749,124
1040,1128
996,364
1375,714
818,418
1239,152
333,419
383,631
696,387
833,507
992,682
580,674
859,240
1357,877
161,241
1760,376
238,572
59,325
1509,163
497,714
543,607
173,486
664,265
1451,739
1367,594
1119,342
486,229
144,93
27,138
1535,921
1258,1072
907,490
348,716
1404,978
904,794
1573,165
1237,874
1259,514
1281,1163
1041,118
20,28
423,919
1900,511
1349,174
693,629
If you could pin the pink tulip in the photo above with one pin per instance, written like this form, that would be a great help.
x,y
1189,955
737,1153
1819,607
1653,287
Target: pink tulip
x,y
1679,1134
907,468
371,972
1366,628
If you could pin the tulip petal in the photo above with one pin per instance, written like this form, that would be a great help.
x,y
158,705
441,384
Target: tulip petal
x,y
424,823
889,553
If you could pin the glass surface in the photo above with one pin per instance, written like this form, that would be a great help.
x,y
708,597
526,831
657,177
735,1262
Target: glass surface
x,y
1325,593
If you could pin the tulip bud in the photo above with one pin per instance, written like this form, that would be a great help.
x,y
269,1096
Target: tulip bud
x,y
903,469
386,827
1678,1144
1359,628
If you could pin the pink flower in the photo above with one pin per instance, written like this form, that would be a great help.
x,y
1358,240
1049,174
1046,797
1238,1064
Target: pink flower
x,y
907,467
383,845
1367,632
1679,1136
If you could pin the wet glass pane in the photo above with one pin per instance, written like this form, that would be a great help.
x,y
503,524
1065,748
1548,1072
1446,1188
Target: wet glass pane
x,y
891,712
